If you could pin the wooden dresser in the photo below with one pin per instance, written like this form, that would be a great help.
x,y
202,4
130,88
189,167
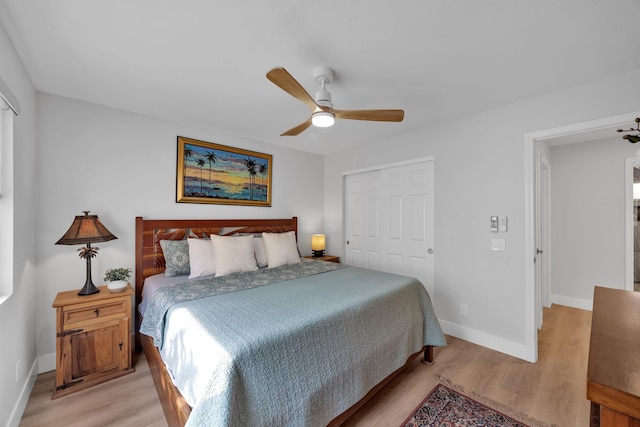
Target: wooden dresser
x,y
93,338
613,375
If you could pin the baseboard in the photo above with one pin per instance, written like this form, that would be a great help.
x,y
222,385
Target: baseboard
x,y
583,304
502,345
47,363
21,404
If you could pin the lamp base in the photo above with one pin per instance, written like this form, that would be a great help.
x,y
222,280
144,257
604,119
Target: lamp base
x,y
88,289
318,254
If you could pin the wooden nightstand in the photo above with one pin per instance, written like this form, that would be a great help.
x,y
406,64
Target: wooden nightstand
x,y
330,258
93,338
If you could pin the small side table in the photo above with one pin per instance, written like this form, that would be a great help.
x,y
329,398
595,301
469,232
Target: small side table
x,y
329,258
93,338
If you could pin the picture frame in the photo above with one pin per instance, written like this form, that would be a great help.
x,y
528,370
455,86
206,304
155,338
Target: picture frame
x,y
219,174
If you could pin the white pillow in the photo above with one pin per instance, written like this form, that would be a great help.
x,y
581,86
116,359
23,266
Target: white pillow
x,y
281,248
260,251
233,254
201,259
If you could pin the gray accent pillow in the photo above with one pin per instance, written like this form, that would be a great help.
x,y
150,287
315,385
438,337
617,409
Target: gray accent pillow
x,y
176,257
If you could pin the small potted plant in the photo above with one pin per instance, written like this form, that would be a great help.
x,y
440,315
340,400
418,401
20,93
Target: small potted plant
x,y
117,278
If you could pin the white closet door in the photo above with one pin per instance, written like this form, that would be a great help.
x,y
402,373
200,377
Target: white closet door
x,y
363,220
390,221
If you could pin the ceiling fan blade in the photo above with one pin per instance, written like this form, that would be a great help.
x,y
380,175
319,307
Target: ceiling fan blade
x,y
285,81
372,115
298,129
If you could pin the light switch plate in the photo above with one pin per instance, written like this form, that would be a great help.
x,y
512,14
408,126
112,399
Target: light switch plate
x,y
498,245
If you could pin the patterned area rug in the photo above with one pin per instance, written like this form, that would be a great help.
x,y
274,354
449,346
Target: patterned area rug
x,y
444,406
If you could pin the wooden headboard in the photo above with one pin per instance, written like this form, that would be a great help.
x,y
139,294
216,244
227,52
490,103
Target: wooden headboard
x,y
149,232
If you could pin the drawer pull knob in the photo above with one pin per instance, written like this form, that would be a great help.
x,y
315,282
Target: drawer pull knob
x,y
97,311
120,346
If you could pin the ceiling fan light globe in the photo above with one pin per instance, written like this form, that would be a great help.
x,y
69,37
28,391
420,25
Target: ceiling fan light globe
x,y
322,119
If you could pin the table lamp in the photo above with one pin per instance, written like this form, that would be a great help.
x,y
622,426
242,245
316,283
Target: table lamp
x,y
317,245
86,229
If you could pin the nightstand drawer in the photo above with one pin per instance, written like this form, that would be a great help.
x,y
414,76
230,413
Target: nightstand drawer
x,y
94,311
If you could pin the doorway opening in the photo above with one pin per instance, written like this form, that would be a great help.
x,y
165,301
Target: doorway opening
x,y
636,225
632,223
533,292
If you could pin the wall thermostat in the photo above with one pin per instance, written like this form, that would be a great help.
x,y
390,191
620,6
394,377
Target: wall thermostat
x,y
494,224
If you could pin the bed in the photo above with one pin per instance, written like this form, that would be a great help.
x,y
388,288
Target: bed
x,y
302,343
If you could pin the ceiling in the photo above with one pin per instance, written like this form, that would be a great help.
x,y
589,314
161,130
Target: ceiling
x,y
203,63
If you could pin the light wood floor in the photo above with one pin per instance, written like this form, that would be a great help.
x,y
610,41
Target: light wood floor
x,y
552,391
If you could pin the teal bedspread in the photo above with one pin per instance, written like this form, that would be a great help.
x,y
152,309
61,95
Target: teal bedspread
x,y
297,352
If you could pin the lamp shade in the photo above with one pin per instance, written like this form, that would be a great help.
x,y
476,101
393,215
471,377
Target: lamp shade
x,y
86,229
317,242
317,245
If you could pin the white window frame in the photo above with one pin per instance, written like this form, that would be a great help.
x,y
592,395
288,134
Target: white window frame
x,y
6,200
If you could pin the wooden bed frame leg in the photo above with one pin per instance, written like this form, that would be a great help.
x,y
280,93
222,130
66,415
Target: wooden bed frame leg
x,y
428,355
594,418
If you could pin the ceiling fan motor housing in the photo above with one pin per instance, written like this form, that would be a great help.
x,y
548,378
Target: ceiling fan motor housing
x,y
323,73
323,76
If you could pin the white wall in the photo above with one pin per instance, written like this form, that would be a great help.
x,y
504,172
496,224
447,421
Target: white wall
x,y
120,165
18,312
479,163
587,218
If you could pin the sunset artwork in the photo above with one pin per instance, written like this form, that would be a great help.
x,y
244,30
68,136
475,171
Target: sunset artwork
x,y
212,173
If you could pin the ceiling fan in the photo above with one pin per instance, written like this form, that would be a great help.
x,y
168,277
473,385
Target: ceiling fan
x,y
632,138
322,112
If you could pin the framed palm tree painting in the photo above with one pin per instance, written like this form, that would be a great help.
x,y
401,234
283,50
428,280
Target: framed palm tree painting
x,y
212,173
